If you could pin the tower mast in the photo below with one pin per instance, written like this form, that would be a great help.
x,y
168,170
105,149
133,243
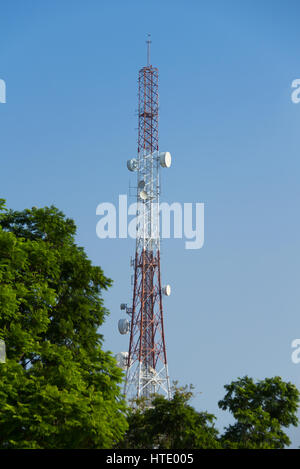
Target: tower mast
x,y
146,362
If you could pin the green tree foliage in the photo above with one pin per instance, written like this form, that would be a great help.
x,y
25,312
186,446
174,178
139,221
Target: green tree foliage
x,y
170,424
261,411
58,389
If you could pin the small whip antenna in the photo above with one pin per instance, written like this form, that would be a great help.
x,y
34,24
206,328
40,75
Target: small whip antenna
x,y
148,49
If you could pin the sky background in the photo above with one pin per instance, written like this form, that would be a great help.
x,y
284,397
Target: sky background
x,y
226,115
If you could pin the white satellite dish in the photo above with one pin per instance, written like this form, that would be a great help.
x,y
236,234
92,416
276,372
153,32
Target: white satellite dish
x,y
124,326
165,159
122,360
132,164
143,195
167,290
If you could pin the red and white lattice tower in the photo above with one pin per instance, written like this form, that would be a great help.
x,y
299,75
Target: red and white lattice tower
x,y
146,361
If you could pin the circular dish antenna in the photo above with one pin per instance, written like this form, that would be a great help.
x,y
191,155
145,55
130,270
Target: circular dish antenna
x,y
141,185
143,195
122,358
132,165
123,326
167,290
165,159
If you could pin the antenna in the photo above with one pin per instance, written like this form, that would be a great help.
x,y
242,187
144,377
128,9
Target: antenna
x,y
148,49
146,362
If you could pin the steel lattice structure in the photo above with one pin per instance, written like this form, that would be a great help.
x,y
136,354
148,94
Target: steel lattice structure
x,y
146,363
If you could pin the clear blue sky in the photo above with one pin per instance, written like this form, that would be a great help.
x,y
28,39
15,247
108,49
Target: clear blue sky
x,y
226,69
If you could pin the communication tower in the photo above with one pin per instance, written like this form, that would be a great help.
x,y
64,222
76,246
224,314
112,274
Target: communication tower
x,y
145,362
